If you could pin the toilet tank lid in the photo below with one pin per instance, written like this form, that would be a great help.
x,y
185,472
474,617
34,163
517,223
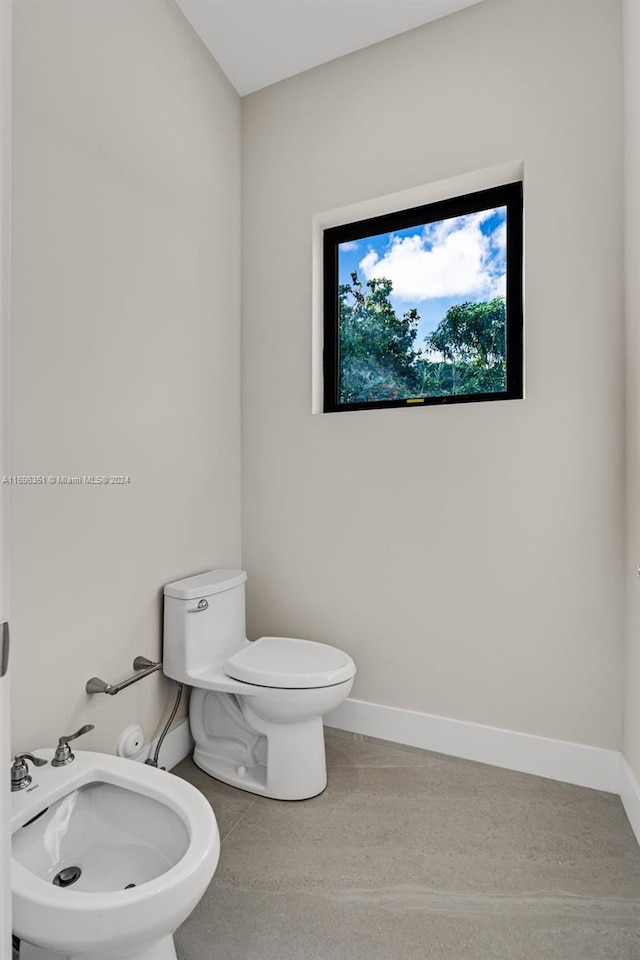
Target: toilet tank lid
x,y
205,584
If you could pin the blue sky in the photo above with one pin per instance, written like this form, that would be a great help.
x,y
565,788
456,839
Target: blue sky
x,y
436,265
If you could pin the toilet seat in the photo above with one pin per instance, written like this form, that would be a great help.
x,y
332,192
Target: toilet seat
x,y
290,663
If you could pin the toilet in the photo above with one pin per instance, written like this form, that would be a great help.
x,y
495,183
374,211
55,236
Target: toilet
x,y
256,708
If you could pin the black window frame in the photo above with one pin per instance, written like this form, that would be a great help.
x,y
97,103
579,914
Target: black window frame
x,y
508,195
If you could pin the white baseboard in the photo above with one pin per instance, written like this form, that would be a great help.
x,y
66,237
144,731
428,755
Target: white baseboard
x,y
630,796
561,760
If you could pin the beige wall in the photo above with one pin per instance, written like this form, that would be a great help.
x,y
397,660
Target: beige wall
x,y
126,348
631,34
468,557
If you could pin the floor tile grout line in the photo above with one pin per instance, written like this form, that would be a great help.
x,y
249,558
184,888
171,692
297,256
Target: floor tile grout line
x,y
240,818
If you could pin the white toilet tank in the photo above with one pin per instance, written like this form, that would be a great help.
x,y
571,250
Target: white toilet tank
x,y
204,621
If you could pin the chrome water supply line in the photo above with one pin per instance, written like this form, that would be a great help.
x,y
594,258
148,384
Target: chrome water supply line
x,y
153,761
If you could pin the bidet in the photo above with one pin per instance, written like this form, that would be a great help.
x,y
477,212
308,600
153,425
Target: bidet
x,y
109,858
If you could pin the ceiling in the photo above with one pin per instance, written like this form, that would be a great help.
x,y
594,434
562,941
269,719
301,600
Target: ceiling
x,y
258,42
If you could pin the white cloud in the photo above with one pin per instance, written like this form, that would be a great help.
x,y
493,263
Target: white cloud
x,y
447,259
349,245
368,264
499,235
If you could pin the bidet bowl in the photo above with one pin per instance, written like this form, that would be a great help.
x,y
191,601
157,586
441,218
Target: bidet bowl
x,y
145,843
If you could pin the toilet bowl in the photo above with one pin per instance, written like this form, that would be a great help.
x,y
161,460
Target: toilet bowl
x,y
256,708
109,857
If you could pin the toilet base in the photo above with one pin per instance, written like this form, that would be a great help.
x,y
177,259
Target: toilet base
x,y
295,767
163,949
282,761
254,780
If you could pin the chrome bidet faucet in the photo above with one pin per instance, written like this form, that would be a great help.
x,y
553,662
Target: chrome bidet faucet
x,y
63,754
20,776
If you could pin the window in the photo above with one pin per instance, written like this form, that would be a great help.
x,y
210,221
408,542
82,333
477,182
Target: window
x,y
424,306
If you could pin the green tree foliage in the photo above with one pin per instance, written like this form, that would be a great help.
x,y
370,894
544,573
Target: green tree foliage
x,y
379,359
471,338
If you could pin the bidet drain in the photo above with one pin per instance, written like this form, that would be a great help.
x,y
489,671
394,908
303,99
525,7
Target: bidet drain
x,y
129,885
67,876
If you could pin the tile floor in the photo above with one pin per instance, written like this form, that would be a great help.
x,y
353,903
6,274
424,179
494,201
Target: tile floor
x,y
410,855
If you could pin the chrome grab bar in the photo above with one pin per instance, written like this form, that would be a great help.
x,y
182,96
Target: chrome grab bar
x,y
141,665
